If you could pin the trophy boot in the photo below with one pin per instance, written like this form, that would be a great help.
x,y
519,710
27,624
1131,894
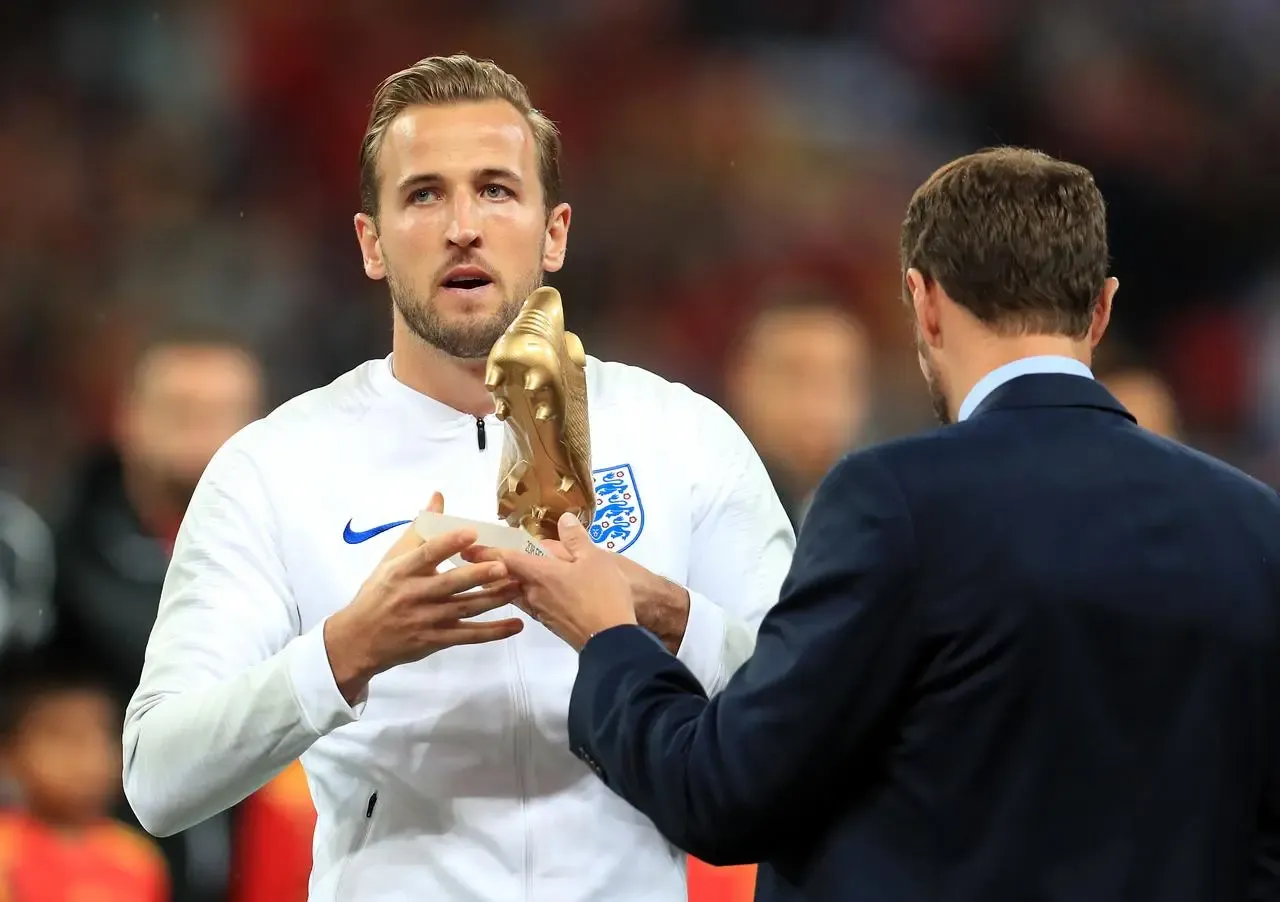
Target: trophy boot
x,y
536,374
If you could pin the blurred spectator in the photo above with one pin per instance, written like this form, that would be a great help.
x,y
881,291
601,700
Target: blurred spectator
x,y
272,854
60,741
735,883
26,576
1143,391
799,384
192,387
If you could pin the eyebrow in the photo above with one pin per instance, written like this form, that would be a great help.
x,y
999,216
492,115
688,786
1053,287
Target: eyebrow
x,y
427,178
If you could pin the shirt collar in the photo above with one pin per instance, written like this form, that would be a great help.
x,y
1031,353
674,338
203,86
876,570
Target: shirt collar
x,y
1027,366
423,408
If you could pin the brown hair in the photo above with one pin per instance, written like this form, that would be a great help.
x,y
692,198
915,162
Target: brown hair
x,y
1016,237
444,80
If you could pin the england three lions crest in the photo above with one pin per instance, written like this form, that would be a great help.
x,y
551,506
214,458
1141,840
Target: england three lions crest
x,y
619,518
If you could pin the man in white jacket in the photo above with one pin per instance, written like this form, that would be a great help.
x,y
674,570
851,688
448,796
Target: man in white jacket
x,y
293,622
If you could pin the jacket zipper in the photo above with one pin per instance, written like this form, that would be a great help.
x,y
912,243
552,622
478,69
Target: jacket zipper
x,y
362,840
480,439
523,729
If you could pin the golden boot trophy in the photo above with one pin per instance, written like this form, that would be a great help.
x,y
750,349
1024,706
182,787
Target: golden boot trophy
x,y
537,375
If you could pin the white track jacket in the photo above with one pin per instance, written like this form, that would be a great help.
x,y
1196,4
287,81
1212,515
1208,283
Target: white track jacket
x,y
453,780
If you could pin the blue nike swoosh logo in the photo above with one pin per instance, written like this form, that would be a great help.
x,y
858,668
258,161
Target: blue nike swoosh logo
x,y
351,537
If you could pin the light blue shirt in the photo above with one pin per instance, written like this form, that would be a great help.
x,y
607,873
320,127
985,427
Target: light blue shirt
x,y
1048,363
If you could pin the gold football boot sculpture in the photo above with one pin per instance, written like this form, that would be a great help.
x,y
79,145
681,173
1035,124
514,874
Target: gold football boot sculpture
x,y
537,376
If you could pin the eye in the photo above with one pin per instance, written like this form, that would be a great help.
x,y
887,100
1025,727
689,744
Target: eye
x,y
423,196
497,192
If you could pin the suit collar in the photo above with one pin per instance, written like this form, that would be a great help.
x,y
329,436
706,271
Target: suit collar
x,y
1051,390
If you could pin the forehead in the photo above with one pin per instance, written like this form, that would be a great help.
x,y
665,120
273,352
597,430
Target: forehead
x,y
66,704
457,139
186,366
806,333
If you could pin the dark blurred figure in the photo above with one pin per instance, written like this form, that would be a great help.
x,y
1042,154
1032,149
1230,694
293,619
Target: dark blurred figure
x,y
1143,391
192,387
799,383
60,746
26,576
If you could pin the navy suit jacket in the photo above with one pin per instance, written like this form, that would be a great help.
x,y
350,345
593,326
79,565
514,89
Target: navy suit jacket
x,y
1031,656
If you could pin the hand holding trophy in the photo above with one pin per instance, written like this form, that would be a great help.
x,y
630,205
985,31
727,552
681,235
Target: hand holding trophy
x,y
537,376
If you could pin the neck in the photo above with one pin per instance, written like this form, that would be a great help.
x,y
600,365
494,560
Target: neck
x,y
154,507
60,822
992,352
453,382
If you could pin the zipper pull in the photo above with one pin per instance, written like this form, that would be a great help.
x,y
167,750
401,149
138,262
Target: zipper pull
x,y
373,801
480,440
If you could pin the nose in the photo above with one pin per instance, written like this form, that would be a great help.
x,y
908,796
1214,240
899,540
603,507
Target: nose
x,y
464,229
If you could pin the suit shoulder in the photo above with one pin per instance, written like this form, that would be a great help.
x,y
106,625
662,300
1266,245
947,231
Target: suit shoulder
x,y
868,477
1226,476
895,456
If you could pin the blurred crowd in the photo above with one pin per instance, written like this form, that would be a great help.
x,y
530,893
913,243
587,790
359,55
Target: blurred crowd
x,y
177,181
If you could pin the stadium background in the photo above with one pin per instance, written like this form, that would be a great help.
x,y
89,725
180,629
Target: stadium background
x,y
725,159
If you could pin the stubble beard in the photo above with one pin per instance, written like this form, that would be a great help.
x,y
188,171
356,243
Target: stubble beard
x,y
937,391
941,409
466,341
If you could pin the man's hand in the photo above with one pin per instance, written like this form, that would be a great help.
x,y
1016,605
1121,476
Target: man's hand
x,y
407,609
576,592
661,606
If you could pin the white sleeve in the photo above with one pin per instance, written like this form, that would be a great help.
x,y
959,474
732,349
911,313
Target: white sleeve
x,y
230,692
741,549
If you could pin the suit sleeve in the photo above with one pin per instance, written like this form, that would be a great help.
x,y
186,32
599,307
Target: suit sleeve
x,y
1264,884
231,690
723,778
741,546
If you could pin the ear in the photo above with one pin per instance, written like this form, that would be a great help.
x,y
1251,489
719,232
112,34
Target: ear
x,y
1102,311
924,303
370,247
557,240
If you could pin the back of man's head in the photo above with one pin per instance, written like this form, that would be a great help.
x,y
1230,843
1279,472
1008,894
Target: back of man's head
x,y
1014,236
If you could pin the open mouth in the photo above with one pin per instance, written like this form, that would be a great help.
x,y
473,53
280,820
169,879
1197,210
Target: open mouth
x,y
469,283
466,278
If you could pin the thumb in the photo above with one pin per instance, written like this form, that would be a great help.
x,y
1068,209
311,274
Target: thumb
x,y
573,536
409,539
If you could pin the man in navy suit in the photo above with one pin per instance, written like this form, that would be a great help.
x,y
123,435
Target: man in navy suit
x,y
1033,655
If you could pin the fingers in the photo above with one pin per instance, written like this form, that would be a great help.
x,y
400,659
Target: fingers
x,y
556,549
461,579
525,567
484,631
433,552
573,535
477,554
473,604
409,539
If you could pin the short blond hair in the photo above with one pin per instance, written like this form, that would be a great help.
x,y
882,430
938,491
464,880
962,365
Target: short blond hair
x,y
446,80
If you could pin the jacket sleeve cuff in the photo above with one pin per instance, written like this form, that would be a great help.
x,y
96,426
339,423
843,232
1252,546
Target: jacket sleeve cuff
x,y
323,707
703,646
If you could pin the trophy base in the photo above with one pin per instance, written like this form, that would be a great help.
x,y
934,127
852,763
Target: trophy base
x,y
493,535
